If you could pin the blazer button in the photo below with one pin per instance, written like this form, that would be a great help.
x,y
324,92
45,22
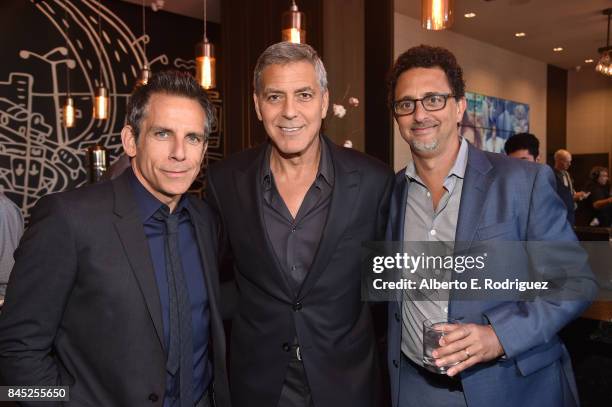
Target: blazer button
x,y
397,318
297,306
395,363
153,397
286,347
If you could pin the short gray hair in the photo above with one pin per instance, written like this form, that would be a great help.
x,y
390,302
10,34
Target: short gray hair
x,y
283,53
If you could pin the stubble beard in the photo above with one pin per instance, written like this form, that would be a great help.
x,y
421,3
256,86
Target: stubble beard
x,y
425,147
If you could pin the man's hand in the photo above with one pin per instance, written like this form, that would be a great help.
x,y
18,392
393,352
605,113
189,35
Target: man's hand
x,y
581,195
467,344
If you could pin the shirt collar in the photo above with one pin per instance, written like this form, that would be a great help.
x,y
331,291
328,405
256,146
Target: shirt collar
x,y
147,203
458,168
325,171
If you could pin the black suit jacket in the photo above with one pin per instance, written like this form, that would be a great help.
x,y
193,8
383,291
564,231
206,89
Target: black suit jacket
x,y
333,325
82,307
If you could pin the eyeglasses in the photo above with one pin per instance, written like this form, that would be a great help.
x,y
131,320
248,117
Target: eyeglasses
x,y
431,103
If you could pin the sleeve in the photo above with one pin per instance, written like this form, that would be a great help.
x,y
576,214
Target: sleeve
x,y
37,293
544,316
11,229
383,208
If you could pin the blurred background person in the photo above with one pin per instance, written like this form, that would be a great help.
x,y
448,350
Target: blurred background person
x,y
598,205
11,229
565,185
524,146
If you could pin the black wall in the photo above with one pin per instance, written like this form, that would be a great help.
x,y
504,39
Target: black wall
x,y
37,154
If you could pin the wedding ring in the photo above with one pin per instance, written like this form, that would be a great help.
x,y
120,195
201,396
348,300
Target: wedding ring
x,y
467,354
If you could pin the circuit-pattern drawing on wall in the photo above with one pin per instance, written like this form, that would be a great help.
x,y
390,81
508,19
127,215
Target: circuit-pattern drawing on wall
x,y
38,155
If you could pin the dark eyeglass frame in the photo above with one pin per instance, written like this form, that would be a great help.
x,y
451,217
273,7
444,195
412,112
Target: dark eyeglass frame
x,y
444,95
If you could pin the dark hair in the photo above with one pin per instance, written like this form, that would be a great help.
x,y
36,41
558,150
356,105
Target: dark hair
x,y
426,56
172,83
523,141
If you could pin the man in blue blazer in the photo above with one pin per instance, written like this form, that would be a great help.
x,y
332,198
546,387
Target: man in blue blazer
x,y
503,353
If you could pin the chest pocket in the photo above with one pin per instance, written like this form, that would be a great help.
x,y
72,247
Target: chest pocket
x,y
497,231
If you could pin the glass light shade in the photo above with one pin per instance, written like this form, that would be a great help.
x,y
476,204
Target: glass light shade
x,y
205,64
101,104
293,23
437,14
68,112
145,75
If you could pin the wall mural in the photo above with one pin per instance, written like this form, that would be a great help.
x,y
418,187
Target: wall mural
x,y
42,42
489,121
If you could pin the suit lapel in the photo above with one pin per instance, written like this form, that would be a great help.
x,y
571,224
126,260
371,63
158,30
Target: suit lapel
x,y
398,208
131,233
344,196
478,179
397,218
248,186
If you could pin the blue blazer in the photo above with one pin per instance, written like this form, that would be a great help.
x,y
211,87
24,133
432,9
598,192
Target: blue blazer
x,y
507,200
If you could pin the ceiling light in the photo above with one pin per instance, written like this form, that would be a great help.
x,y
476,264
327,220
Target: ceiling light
x,y
469,15
558,49
588,61
521,34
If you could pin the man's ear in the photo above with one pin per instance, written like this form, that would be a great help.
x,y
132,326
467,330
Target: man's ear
x,y
128,140
461,106
325,104
256,102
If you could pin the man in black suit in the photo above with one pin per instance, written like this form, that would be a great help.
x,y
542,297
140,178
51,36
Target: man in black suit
x,y
565,184
296,211
115,289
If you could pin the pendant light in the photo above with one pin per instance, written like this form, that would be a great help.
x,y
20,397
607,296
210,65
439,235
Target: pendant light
x,y
437,14
205,60
101,105
68,116
145,72
293,23
604,65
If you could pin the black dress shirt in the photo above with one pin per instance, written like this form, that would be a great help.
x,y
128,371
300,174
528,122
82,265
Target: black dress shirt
x,y
295,241
194,276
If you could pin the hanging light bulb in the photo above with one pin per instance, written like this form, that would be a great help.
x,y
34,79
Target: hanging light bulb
x,y
68,112
68,115
436,14
145,75
145,72
205,64
205,60
293,23
101,105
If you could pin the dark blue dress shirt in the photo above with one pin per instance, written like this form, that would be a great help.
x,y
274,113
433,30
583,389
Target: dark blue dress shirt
x,y
194,276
